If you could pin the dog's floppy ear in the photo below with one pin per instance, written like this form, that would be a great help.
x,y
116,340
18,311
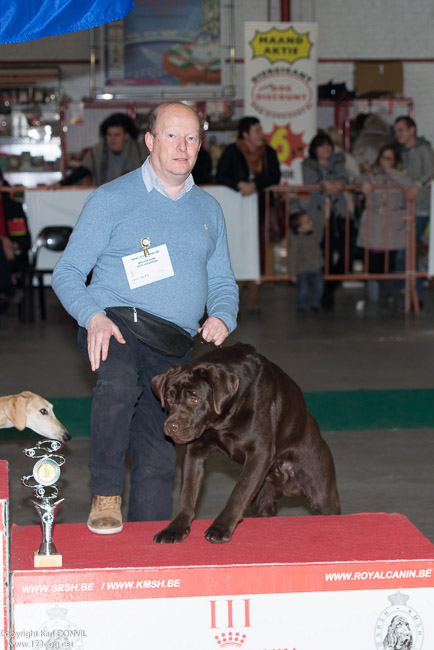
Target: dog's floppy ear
x,y
224,384
15,409
159,383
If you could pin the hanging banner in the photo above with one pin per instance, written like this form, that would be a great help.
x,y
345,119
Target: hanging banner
x,y
280,88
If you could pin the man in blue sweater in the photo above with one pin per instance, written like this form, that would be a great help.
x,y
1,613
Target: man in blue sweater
x,y
157,246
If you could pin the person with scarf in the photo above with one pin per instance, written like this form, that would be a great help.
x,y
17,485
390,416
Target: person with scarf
x,y
248,166
116,154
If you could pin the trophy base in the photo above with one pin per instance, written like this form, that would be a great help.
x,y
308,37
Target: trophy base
x,y
42,560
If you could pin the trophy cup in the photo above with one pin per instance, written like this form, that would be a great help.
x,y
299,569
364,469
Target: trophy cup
x,y
46,472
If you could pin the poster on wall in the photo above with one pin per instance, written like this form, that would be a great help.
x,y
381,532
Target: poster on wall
x,y
280,88
165,44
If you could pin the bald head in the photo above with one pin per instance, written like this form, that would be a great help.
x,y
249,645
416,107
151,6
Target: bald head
x,y
169,106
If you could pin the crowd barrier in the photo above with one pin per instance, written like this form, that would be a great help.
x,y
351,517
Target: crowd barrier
x,y
285,194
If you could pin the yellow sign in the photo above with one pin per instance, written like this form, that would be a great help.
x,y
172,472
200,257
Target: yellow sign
x,y
287,45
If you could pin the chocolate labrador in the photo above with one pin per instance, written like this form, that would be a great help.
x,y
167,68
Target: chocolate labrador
x,y
238,402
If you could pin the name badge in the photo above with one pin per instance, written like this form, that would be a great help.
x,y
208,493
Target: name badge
x,y
145,269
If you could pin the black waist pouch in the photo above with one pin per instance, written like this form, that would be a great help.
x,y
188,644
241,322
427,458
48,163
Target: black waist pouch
x,y
158,334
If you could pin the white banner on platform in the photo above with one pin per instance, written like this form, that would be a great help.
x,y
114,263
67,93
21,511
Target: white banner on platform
x,y
280,88
342,620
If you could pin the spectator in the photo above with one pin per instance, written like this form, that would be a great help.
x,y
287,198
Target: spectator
x,y
14,246
382,227
418,161
326,168
249,166
306,259
117,153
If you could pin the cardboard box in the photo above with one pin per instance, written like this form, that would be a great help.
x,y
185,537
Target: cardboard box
x,y
378,77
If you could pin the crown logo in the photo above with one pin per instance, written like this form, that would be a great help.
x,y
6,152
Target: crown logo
x,y
230,640
398,598
57,612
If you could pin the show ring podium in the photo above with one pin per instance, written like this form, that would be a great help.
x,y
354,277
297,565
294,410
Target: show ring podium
x,y
288,583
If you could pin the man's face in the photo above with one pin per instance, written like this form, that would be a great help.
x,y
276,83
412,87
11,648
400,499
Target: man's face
x,y
404,134
116,138
175,144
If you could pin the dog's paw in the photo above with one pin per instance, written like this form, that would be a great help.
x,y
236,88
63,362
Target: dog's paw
x,y
218,535
171,535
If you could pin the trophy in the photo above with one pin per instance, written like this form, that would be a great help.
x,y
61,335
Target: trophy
x,y
46,472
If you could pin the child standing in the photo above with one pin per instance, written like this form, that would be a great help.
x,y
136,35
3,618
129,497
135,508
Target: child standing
x,y
306,259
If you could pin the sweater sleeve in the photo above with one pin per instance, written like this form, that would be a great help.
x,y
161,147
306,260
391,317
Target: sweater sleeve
x,y
79,172
222,300
89,238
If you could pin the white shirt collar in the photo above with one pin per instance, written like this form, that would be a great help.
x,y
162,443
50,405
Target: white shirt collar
x,y
152,181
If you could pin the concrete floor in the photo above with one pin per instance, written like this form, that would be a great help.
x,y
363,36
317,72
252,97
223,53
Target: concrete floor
x,y
378,471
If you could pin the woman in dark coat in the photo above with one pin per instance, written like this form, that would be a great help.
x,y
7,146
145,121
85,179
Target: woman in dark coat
x,y
248,166
326,168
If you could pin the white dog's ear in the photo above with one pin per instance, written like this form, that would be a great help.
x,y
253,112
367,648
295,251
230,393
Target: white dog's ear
x,y
16,411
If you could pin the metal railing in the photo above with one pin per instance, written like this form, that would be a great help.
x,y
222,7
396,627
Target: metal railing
x,y
302,194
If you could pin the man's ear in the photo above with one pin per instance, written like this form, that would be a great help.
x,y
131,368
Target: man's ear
x,y
149,140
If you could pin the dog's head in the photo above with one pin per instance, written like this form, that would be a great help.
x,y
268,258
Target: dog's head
x,y
33,411
194,396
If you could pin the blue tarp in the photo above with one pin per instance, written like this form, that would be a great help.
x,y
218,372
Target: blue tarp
x,y
26,20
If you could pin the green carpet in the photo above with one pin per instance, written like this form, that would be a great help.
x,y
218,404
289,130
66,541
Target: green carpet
x,y
354,410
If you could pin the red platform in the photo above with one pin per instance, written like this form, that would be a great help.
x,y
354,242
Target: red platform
x,y
196,595
280,540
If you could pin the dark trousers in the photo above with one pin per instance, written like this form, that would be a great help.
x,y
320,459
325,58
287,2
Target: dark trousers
x,y
127,417
421,224
336,255
309,282
377,265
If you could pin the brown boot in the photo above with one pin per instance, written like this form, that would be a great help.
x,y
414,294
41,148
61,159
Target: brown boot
x,y
105,517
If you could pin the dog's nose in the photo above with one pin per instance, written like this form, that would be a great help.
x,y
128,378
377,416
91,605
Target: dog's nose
x,y
66,436
172,428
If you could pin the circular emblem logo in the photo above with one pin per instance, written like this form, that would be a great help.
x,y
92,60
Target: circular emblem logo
x,y
399,626
46,471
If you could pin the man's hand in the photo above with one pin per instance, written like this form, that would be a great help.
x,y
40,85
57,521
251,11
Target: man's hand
x,y
412,192
367,188
333,187
99,331
247,188
214,331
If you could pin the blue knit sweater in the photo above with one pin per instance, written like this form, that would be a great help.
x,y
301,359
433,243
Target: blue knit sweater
x,y
114,219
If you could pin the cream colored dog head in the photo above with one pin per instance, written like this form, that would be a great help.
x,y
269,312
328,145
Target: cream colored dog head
x,y
33,411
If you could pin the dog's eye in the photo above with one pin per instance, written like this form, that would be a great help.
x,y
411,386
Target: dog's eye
x,y
192,399
43,411
169,399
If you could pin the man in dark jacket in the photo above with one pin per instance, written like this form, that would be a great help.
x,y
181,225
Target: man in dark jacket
x,y
418,161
